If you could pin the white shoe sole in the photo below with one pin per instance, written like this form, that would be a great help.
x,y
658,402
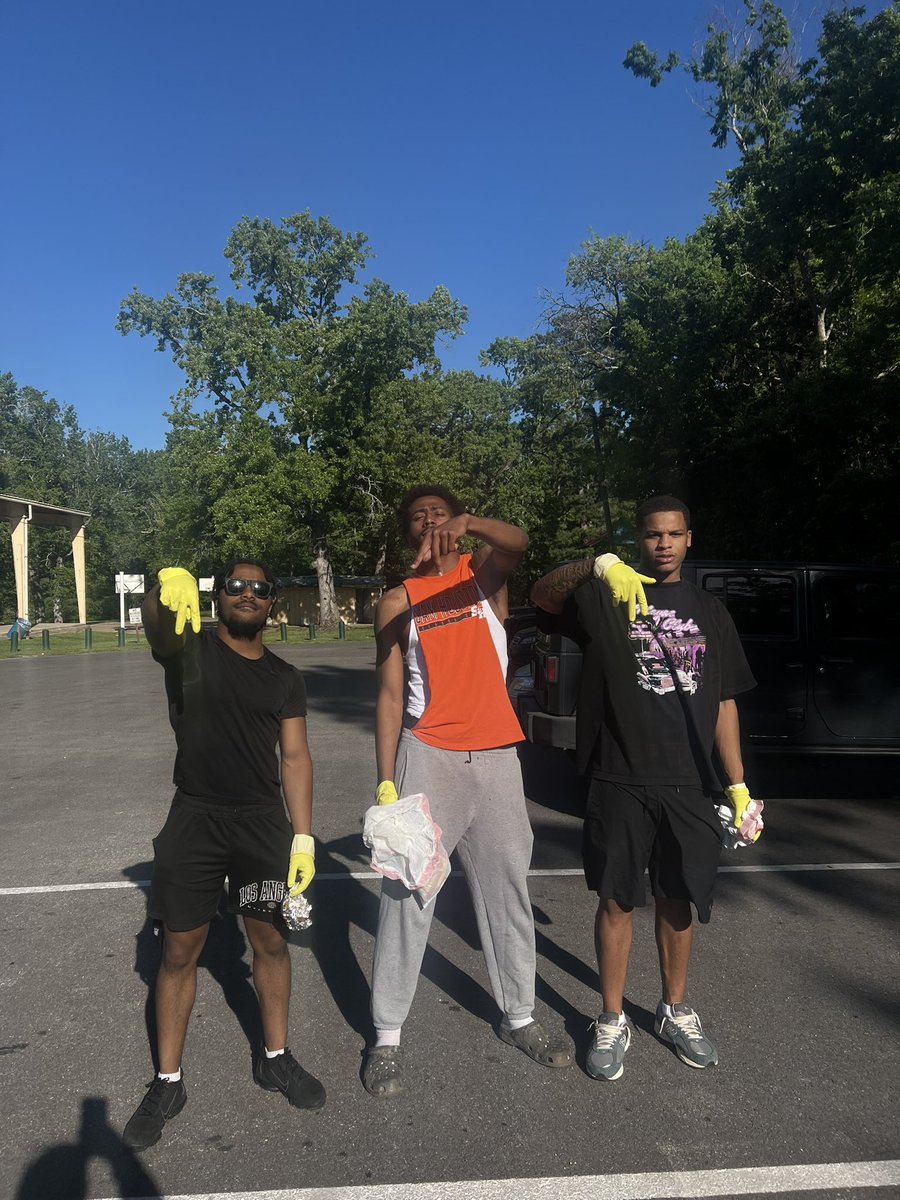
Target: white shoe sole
x,y
658,1027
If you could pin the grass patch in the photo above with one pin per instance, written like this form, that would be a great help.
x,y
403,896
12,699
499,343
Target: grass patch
x,y
300,634
72,642
105,640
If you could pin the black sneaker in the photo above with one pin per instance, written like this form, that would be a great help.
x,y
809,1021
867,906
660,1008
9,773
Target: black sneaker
x,y
163,1101
284,1074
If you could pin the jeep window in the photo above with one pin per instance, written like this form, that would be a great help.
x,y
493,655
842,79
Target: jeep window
x,y
762,606
856,606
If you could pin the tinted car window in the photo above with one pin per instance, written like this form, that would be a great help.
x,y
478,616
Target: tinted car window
x,y
855,606
760,605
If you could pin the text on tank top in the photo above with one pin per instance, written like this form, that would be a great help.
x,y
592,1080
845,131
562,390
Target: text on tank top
x,y
457,664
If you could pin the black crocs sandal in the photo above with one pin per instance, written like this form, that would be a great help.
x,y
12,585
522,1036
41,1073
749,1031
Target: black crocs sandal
x,y
534,1041
383,1071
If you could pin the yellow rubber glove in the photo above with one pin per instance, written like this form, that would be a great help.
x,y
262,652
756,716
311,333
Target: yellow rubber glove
x,y
302,866
747,811
624,583
178,592
386,793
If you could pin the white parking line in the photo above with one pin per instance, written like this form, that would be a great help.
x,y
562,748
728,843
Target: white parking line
x,y
779,869
787,868
667,1185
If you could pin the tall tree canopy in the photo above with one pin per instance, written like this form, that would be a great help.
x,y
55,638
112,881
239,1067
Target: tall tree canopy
x,y
764,347
294,370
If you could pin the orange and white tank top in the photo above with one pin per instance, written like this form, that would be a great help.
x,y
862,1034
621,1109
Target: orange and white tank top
x,y
456,660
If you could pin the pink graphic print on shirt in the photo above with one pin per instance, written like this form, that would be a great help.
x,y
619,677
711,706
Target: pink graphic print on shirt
x,y
685,643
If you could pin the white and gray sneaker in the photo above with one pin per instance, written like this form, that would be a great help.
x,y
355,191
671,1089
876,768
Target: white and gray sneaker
x,y
605,1059
686,1034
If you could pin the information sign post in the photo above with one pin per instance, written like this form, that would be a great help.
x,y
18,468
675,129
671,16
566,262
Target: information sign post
x,y
205,584
127,585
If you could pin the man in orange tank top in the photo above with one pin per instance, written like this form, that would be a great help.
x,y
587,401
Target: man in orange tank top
x,y
444,726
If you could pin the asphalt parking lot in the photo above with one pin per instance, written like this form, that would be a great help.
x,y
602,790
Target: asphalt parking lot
x,y
796,977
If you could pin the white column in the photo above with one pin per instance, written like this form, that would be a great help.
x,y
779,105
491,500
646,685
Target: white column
x,y
19,527
78,562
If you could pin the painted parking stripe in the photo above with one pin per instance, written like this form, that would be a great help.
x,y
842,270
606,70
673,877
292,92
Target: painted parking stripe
x,y
780,869
667,1185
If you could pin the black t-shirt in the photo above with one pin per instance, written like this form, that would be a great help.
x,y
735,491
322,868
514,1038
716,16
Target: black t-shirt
x,y
226,711
631,723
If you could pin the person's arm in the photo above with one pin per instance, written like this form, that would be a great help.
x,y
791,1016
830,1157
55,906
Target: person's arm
x,y
552,590
297,786
500,552
741,814
625,584
296,773
159,625
493,562
167,608
390,617
728,741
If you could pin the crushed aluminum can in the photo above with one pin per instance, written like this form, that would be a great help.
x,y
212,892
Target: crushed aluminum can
x,y
297,911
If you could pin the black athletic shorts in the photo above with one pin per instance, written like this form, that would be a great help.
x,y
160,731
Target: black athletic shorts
x,y
671,830
201,843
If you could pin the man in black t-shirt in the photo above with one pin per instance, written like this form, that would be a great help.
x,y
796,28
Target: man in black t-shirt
x,y
656,699
239,716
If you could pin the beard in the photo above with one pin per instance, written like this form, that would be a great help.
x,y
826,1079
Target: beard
x,y
244,627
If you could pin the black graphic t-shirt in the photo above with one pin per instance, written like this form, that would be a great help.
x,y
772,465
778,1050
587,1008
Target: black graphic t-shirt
x,y
631,723
226,711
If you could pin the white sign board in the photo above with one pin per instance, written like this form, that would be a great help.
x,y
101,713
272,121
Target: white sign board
x,y
134,616
206,585
129,585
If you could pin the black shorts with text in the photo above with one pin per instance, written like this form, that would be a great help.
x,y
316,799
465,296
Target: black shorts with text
x,y
202,843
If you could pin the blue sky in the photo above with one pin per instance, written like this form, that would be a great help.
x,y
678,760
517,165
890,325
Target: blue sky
x,y
476,144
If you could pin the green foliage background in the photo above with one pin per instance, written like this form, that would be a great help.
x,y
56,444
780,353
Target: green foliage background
x,y
751,368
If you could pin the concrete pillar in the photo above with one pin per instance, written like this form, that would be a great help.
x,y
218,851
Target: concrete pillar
x,y
78,561
19,527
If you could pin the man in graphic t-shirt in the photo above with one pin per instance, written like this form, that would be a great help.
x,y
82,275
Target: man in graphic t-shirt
x,y
656,700
239,716
445,727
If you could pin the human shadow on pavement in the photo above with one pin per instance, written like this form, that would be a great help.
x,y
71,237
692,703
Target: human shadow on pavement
x,y
577,1022
354,905
60,1173
146,955
556,846
551,779
338,906
457,913
223,957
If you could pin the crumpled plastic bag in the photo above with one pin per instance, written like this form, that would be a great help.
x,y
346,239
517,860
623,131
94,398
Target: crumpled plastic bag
x,y
734,838
406,845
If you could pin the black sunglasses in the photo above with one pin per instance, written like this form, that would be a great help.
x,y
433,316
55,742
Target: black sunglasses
x,y
259,587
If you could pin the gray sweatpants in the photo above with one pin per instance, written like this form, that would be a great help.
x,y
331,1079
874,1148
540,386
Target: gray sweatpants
x,y
476,798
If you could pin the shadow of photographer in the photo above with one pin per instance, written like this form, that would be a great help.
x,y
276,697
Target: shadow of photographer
x,y
61,1173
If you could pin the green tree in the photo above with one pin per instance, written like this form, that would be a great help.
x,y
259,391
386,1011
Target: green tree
x,y
801,345
305,351
752,70
564,444
46,456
